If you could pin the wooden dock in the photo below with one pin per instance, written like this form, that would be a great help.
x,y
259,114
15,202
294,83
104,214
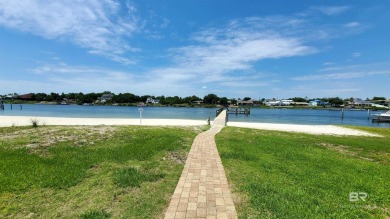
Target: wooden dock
x,y
239,110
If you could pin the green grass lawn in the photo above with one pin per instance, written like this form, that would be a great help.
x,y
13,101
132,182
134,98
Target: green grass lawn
x,y
90,172
291,175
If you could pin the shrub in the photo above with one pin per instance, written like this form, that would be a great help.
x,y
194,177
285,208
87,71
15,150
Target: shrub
x,y
34,122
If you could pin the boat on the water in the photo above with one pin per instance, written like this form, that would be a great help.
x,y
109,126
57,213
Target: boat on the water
x,y
383,117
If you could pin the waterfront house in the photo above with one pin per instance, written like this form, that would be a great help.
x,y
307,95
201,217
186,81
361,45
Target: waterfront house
x,y
67,101
245,102
273,103
287,102
106,97
152,101
26,97
11,96
279,102
360,102
198,102
318,103
300,104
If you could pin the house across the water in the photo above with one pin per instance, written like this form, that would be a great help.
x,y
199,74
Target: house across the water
x,y
318,103
152,101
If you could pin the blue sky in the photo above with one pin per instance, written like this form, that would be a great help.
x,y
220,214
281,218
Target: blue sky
x,y
261,49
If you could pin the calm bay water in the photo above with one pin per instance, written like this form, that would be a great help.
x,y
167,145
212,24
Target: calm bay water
x,y
77,111
309,116
287,116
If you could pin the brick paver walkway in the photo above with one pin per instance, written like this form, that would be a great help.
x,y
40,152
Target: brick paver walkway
x,y
202,191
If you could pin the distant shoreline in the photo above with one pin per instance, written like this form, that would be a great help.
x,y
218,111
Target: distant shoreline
x,y
210,106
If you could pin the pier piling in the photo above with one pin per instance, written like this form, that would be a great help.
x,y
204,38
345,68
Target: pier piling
x,y
239,110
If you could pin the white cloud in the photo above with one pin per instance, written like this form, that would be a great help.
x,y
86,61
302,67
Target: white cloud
x,y
348,77
352,24
92,24
213,56
341,75
331,10
356,54
236,47
86,74
245,84
320,88
67,78
327,63
383,66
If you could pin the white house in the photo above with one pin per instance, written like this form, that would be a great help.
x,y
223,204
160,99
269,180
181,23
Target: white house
x,y
198,102
300,104
279,102
287,102
360,102
273,103
152,101
317,103
106,97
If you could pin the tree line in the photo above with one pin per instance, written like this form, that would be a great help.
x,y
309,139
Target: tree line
x,y
122,98
129,98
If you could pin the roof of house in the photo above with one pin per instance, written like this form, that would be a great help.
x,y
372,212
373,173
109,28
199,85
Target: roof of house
x,y
26,96
245,101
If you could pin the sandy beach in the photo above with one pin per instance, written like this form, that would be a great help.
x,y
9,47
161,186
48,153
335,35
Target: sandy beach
x,y
309,129
7,121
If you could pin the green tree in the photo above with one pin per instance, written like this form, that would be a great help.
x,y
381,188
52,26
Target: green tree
x,y
378,98
190,99
298,99
87,98
211,99
55,97
39,96
144,98
223,101
126,98
162,100
335,101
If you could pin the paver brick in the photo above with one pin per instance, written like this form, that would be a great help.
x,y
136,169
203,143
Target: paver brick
x,y
202,190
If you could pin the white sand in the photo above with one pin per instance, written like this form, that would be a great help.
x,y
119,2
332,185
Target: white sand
x,y
310,129
6,121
